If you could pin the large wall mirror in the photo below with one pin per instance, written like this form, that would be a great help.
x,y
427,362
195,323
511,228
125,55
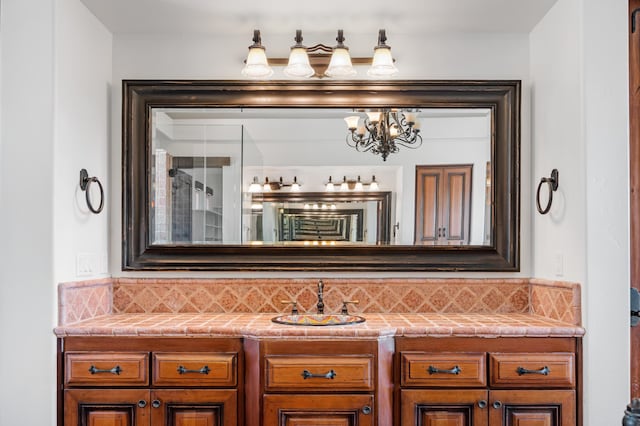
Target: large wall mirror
x,y
387,176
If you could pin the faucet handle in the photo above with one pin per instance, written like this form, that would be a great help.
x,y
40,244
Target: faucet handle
x,y
294,306
345,303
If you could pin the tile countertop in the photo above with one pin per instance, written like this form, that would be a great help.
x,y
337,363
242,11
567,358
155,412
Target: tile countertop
x,y
376,325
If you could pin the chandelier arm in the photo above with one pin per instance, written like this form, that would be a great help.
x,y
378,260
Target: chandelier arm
x,y
412,143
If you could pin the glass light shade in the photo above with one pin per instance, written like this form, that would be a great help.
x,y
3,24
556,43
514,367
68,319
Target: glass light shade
x,y
340,65
393,131
295,186
257,65
344,186
410,117
255,186
374,117
416,126
352,122
299,66
373,186
330,187
382,65
360,131
359,186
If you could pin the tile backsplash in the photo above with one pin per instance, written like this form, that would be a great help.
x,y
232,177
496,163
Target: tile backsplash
x,y
89,299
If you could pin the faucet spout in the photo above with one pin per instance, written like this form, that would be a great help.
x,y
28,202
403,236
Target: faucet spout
x,y
320,304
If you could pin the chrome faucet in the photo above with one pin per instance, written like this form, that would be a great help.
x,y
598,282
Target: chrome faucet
x,y
320,304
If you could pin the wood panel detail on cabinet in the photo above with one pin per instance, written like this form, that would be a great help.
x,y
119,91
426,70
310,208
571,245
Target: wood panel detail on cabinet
x,y
444,407
98,407
532,370
106,368
190,407
194,369
319,410
299,373
532,408
443,369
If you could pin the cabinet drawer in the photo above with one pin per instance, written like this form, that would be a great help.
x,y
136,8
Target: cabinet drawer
x,y
532,369
297,373
106,368
194,369
443,369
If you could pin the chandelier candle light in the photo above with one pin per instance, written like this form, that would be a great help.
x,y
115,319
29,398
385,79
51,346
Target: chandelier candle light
x,y
383,132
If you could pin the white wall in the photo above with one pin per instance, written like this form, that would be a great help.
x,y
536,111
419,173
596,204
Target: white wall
x,y
56,65
82,123
580,126
27,296
470,56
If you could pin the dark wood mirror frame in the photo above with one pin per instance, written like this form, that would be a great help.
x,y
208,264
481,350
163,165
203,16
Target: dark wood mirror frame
x,y
502,97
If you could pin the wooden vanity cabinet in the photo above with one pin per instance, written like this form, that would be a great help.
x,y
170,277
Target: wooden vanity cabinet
x,y
488,382
151,382
319,382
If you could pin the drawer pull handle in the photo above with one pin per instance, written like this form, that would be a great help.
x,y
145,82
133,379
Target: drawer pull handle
x,y
306,374
455,370
142,403
156,403
482,403
544,371
497,405
366,410
203,370
115,370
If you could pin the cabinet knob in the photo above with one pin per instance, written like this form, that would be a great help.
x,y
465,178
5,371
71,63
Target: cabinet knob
x,y
497,404
142,403
156,403
366,410
482,403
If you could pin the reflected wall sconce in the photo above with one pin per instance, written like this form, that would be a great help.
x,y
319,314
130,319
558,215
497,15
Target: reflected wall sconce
x,y
552,183
269,186
352,184
319,60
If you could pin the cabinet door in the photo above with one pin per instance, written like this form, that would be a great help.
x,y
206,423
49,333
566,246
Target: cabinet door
x,y
457,407
106,407
532,408
443,205
189,407
318,410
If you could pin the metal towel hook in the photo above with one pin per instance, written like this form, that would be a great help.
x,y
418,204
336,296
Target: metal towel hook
x,y
85,184
552,182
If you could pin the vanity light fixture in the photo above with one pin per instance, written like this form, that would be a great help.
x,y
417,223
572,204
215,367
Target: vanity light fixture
x,y
269,186
319,60
383,132
353,184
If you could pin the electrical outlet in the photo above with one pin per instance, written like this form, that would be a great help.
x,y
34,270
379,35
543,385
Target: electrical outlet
x,y
86,264
558,264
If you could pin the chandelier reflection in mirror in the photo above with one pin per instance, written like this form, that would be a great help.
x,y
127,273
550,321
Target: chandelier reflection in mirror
x,y
383,132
